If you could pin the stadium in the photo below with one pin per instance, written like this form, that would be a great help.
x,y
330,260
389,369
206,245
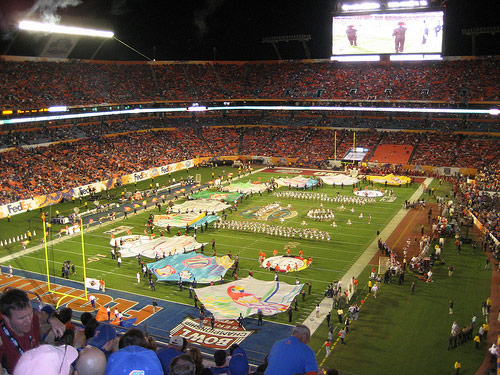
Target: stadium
x,y
224,202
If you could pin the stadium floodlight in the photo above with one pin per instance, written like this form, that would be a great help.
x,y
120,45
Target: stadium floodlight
x,y
60,29
58,108
415,57
407,4
197,109
354,58
354,7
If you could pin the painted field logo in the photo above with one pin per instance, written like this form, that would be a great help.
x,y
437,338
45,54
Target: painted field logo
x,y
225,333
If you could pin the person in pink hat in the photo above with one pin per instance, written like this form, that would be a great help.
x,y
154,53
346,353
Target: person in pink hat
x,y
47,360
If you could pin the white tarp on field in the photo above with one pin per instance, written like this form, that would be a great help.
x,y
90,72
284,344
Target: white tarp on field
x,y
297,182
245,187
339,179
131,246
199,206
247,296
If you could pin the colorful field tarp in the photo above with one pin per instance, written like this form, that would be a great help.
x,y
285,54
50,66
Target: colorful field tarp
x,y
131,246
339,179
181,220
247,296
217,195
200,205
297,181
245,187
390,179
190,266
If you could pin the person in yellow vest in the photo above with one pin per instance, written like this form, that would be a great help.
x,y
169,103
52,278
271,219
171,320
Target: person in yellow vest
x,y
486,328
457,366
477,341
370,284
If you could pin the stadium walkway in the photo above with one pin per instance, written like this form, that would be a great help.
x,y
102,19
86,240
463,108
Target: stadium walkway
x,y
326,304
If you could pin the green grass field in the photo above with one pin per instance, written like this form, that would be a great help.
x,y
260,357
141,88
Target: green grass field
x,y
396,334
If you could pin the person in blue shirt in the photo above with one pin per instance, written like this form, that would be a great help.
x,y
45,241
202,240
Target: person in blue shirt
x,y
175,346
220,367
292,355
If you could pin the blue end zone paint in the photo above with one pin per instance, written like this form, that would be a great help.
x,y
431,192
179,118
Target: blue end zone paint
x,y
257,345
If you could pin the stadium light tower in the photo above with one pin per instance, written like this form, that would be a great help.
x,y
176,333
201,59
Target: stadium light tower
x,y
72,30
60,29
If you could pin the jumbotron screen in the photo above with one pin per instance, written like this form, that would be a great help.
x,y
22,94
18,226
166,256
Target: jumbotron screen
x,y
386,33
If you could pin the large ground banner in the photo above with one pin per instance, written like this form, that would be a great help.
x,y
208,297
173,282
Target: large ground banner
x,y
247,296
390,179
181,220
217,195
226,332
191,266
200,205
245,187
133,245
339,179
297,182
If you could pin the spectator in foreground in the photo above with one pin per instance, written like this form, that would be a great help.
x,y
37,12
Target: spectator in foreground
x,y
91,361
21,323
133,336
238,364
47,360
292,355
220,367
134,359
104,339
173,350
197,358
182,365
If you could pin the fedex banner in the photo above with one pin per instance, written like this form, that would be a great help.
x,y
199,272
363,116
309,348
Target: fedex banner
x,y
81,191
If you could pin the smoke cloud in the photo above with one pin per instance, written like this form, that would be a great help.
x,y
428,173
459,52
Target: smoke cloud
x,y
119,7
201,15
46,10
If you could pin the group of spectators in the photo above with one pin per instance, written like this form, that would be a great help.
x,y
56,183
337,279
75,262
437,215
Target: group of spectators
x,y
44,341
481,197
28,172
39,84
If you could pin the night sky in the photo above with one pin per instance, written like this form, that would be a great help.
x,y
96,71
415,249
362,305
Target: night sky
x,y
216,29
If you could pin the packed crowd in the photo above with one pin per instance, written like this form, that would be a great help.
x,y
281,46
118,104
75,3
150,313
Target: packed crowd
x,y
59,166
83,83
481,197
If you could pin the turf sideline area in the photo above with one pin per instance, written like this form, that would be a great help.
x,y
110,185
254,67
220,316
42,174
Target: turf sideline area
x,y
326,303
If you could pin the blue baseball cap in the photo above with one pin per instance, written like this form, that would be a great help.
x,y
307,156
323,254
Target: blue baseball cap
x,y
47,309
103,333
134,359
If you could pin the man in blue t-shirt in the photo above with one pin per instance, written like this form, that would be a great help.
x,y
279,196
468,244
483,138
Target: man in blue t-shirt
x,y
220,367
175,346
292,355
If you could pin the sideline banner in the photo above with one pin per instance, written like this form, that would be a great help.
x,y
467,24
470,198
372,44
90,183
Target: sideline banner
x,y
81,191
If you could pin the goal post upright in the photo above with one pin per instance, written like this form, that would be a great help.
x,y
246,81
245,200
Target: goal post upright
x,y
49,289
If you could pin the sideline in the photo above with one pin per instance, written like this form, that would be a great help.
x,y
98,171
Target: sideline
x,y
326,304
